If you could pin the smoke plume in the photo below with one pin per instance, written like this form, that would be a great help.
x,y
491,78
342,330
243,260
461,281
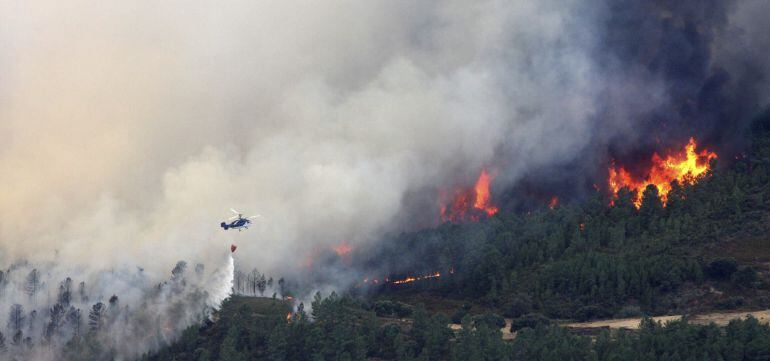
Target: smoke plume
x,y
129,129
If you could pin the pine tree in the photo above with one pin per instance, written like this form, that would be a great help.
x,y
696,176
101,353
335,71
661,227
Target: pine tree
x,y
261,284
65,292
199,268
177,274
3,282
75,319
228,350
16,317
95,317
82,292
56,314
114,302
33,283
254,281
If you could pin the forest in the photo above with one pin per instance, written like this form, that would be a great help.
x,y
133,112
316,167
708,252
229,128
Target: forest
x,y
705,249
79,320
587,260
343,328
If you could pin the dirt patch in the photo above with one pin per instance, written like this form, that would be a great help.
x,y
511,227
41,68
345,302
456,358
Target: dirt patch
x,y
719,318
507,334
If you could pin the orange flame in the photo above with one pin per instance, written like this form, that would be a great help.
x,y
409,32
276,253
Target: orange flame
x,y
468,204
343,249
554,202
686,166
416,278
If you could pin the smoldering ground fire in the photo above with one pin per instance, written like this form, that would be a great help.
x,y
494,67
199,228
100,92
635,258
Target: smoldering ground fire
x,y
127,129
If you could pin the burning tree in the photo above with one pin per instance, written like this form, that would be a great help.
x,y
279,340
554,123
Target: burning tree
x,y
468,203
685,166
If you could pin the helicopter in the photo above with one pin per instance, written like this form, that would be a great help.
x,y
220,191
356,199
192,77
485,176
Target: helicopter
x,y
238,221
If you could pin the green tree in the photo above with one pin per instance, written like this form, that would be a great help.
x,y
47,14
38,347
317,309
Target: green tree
x,y
228,351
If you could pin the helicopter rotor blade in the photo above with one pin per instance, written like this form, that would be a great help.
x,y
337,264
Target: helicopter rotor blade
x,y
255,216
232,218
234,211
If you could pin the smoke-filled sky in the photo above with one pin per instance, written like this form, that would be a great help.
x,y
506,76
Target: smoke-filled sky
x,y
129,128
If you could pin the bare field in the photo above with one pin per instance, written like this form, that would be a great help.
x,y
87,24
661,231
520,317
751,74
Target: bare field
x,y
719,318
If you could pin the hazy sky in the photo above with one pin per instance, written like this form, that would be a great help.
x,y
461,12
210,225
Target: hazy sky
x,y
128,129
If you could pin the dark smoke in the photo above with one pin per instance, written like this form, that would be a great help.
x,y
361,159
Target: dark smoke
x,y
129,129
672,70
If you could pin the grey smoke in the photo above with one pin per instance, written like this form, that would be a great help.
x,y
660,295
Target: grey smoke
x,y
128,129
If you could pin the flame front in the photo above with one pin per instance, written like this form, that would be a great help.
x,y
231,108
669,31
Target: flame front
x,y
343,249
416,278
686,166
553,202
469,204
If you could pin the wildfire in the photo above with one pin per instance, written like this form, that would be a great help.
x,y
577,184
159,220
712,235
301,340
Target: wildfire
x,y
469,204
343,249
685,166
416,278
409,279
553,202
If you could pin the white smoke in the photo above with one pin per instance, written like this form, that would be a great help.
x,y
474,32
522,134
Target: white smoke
x,y
128,129
135,127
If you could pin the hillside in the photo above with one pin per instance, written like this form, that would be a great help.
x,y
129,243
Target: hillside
x,y
704,251
706,248
257,329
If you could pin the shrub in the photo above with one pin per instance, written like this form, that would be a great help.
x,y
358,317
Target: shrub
x,y
629,312
517,306
461,312
730,303
392,309
722,268
531,320
745,277
491,320
587,313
